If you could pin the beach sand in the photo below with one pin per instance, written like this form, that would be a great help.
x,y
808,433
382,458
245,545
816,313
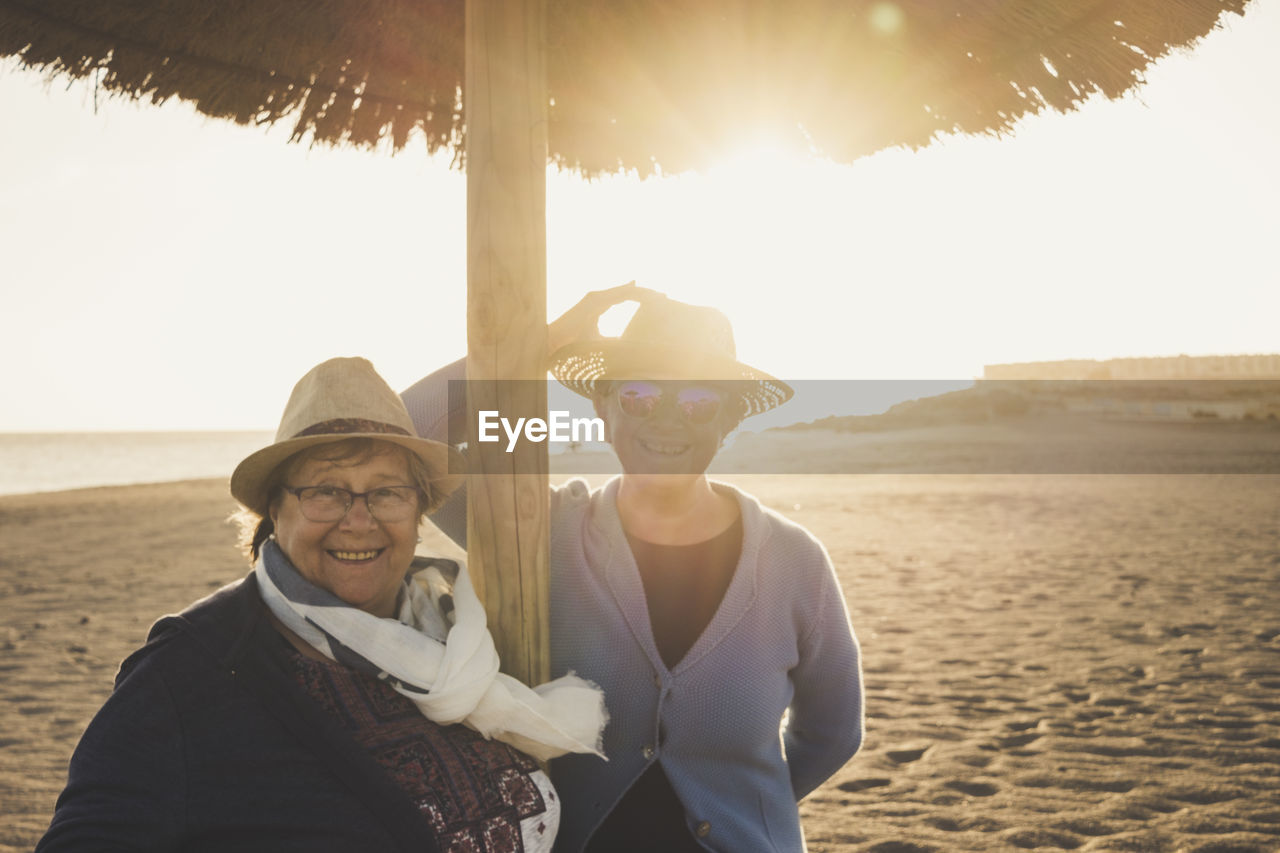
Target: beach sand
x,y
1052,662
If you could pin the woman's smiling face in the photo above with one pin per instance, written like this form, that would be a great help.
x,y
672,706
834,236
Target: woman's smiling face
x,y
358,558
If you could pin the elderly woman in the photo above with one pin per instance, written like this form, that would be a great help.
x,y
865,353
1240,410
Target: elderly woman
x,y
715,626
345,695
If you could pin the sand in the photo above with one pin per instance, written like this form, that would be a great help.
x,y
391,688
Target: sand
x,y
1053,662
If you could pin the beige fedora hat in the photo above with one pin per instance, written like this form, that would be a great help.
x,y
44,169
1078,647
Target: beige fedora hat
x,y
667,339
339,399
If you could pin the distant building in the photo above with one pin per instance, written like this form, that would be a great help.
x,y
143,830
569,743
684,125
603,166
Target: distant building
x,y
1167,367
1175,388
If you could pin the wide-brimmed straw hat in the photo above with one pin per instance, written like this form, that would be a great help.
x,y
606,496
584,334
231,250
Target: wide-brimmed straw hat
x,y
339,399
667,339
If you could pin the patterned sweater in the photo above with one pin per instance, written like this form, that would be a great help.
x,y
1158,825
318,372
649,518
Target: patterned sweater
x,y
780,647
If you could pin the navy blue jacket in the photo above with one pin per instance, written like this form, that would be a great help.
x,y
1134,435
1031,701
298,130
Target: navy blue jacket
x,y
207,743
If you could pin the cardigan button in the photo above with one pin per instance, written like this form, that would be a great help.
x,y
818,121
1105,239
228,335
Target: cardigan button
x,y
647,752
703,830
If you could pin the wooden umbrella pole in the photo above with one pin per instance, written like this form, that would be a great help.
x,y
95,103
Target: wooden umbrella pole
x,y
505,98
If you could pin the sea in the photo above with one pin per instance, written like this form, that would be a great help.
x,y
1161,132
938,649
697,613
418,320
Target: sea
x,y
52,461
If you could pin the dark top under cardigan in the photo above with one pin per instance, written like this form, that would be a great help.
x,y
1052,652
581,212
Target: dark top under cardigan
x,y
208,743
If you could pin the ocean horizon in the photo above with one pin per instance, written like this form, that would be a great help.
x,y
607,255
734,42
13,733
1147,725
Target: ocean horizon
x,y
54,461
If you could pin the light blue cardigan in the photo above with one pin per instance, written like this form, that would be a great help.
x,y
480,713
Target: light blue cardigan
x,y
779,644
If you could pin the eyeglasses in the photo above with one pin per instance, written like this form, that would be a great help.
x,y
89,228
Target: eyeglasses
x,y
697,404
331,503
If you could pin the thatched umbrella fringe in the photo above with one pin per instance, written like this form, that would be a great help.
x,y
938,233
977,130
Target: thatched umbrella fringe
x,y
330,111
645,85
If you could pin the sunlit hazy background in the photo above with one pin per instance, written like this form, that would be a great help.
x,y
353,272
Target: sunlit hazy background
x,y
159,270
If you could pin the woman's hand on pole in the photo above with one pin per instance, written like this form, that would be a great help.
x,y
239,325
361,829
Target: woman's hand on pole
x,y
581,321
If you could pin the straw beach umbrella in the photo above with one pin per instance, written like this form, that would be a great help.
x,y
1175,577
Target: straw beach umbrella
x,y
644,85
631,84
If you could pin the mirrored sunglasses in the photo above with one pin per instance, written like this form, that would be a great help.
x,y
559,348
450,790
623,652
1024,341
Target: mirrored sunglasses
x,y
697,404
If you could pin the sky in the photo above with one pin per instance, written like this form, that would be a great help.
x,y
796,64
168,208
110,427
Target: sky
x,y
166,271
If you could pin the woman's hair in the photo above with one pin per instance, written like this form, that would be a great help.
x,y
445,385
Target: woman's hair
x,y
256,529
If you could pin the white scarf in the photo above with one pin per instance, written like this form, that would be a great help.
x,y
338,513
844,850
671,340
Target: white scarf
x,y
445,662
